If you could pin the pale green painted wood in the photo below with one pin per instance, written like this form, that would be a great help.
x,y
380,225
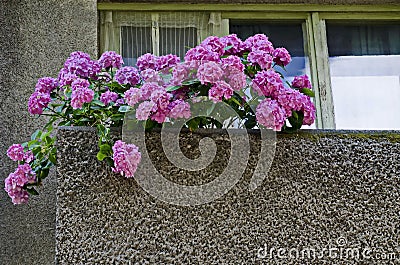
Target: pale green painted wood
x,y
326,105
361,16
264,15
246,7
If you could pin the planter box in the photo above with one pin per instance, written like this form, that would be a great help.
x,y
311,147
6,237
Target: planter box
x,y
324,190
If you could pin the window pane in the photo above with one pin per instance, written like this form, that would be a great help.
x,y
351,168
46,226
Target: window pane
x,y
135,41
365,72
177,40
288,35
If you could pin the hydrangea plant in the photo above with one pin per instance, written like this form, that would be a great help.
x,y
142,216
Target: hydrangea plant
x,y
97,93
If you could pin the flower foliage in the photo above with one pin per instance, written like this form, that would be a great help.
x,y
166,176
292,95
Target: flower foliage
x,y
243,74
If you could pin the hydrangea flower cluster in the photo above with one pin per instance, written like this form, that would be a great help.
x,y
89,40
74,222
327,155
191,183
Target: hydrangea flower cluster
x,y
159,89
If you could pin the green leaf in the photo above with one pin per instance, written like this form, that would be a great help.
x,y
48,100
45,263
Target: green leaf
x,y
105,149
228,47
53,158
149,124
64,123
101,156
49,140
193,124
124,109
173,88
32,191
44,173
308,92
296,120
98,102
109,161
36,134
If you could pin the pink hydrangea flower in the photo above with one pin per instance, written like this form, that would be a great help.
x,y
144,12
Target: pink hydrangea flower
x,y
231,63
148,88
267,83
219,91
46,85
161,99
236,45
301,82
309,111
290,100
37,102
151,76
28,156
281,56
237,80
209,72
111,59
147,61
199,54
259,42
179,109
213,44
144,110
79,83
80,96
108,97
180,73
270,114
16,152
15,182
127,75
260,57
132,96
126,158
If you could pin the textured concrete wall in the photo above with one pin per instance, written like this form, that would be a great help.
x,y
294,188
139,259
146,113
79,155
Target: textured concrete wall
x,y
321,2
35,39
324,190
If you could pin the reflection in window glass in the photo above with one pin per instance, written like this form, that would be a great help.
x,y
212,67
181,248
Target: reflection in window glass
x,y
365,73
135,41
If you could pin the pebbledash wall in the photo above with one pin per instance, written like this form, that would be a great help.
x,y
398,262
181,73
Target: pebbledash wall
x,y
325,189
321,187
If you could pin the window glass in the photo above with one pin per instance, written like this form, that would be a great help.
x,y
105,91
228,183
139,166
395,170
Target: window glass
x,y
135,42
364,61
177,40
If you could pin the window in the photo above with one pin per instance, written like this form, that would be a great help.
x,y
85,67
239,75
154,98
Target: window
x,y
351,53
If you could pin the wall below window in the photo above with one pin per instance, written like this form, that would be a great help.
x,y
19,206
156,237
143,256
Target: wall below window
x,y
36,38
324,190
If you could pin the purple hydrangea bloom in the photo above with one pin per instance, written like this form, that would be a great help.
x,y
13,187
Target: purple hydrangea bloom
x,y
79,63
37,102
144,110
267,83
108,97
126,158
259,42
151,76
209,72
66,78
290,100
281,56
180,73
147,61
260,57
309,111
80,96
236,45
301,82
165,62
15,182
237,80
16,152
111,59
219,91
214,44
46,85
161,99
79,83
127,75
270,114
179,109
132,96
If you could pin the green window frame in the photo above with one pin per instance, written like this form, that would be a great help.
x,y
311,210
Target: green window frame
x,y
314,16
